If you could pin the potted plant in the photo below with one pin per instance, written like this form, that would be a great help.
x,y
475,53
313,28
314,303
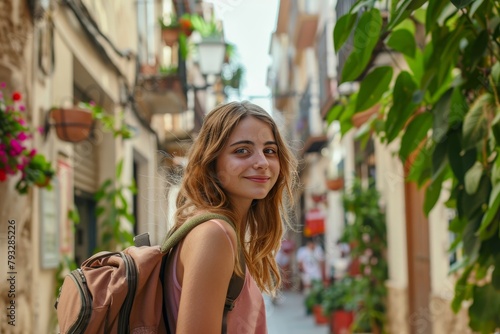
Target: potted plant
x,y
339,303
162,92
177,30
15,155
314,300
335,176
366,233
73,124
207,29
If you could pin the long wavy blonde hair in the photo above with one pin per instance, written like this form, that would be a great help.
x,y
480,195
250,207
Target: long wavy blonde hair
x,y
201,191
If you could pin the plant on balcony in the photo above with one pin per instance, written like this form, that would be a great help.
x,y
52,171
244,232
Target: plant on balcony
x,y
108,120
177,31
75,124
444,108
207,29
366,233
15,155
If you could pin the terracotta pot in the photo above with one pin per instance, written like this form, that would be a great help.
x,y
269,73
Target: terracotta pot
x,y
341,321
335,184
170,36
72,124
319,317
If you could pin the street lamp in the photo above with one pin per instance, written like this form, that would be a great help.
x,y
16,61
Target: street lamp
x,y
211,56
210,59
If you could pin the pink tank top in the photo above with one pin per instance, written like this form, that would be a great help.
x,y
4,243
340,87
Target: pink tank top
x,y
248,315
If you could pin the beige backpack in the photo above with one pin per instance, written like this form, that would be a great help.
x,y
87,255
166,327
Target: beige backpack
x,y
122,292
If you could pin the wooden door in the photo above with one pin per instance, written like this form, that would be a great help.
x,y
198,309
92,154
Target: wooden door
x,y
419,280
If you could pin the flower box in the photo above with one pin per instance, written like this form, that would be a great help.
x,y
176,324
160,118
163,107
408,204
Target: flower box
x,y
72,124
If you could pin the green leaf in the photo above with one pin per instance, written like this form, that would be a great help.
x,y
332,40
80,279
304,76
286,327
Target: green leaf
x,y
471,206
403,11
414,134
457,225
74,216
461,290
119,168
472,178
334,113
483,313
458,108
373,86
475,127
495,277
343,29
434,9
402,107
366,36
99,211
441,112
474,7
432,192
461,3
402,41
471,241
459,162
420,169
439,160
493,206
495,74
495,128
495,171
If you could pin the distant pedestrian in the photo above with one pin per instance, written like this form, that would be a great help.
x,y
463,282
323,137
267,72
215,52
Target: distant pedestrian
x,y
311,262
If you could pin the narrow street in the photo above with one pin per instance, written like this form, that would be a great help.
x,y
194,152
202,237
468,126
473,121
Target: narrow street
x,y
288,316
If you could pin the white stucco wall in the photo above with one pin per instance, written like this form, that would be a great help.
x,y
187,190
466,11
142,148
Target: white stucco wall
x,y
390,183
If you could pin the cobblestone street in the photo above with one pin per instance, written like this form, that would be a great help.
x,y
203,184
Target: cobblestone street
x,y
288,316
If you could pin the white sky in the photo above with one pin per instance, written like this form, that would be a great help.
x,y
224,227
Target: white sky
x,y
249,24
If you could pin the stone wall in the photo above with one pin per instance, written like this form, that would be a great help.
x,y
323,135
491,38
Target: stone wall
x,y
397,310
445,321
16,304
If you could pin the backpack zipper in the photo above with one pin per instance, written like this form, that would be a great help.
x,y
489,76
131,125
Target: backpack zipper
x,y
86,308
124,317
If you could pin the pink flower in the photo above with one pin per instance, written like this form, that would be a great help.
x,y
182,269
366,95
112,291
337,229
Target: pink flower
x,y
32,153
22,107
22,136
3,175
2,85
15,148
40,130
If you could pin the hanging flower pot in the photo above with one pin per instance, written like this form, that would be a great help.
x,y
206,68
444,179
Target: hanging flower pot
x,y
72,124
170,36
335,184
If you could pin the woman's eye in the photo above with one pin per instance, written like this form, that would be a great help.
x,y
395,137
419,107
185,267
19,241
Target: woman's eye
x,y
242,151
270,151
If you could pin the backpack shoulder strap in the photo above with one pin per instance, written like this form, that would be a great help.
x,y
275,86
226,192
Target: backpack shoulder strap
x,y
235,286
174,236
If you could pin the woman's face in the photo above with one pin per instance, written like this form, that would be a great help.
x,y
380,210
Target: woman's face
x,y
248,165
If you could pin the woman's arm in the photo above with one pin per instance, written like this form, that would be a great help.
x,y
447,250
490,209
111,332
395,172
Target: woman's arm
x,y
205,268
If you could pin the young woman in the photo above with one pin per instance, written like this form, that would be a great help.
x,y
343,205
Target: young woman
x,y
239,166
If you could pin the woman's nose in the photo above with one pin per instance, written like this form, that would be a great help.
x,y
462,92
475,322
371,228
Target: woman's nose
x,y
261,161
